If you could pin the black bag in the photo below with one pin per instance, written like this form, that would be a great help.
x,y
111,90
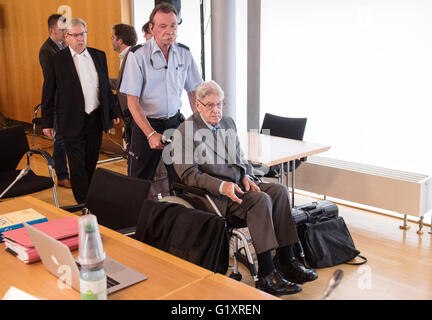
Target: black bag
x,y
314,211
327,242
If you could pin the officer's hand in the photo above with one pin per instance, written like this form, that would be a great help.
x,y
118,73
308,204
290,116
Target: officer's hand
x,y
249,185
116,121
229,189
49,132
155,141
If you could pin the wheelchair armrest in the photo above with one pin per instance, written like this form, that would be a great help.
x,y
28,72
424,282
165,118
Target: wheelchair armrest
x,y
49,160
194,190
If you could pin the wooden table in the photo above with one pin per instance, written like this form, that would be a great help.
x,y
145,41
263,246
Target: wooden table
x,y
166,273
217,287
266,150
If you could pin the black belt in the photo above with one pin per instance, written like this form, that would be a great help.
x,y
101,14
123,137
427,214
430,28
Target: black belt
x,y
162,120
93,112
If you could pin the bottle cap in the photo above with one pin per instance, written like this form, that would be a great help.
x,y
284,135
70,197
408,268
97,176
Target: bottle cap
x,y
91,250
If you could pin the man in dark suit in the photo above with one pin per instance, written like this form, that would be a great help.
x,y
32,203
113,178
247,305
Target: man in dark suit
x,y
206,154
52,45
85,105
123,38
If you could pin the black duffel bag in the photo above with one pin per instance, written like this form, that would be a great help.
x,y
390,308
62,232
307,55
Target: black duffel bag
x,y
327,242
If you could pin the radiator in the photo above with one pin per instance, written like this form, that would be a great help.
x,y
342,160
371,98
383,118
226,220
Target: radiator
x,y
402,192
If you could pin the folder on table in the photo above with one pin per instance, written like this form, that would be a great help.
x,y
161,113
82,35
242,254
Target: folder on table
x,y
14,220
20,245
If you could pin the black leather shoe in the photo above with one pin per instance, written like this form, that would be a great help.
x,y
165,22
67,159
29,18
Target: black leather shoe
x,y
275,284
294,271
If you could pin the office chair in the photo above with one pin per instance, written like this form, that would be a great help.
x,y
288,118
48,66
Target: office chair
x,y
14,183
116,200
291,128
197,198
37,121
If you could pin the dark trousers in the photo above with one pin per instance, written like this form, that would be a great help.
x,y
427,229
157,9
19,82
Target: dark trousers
x,y
143,160
59,154
268,216
83,154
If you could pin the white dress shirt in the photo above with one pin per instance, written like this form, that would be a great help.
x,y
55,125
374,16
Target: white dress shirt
x,y
88,77
123,54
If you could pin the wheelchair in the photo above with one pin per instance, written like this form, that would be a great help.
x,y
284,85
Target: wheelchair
x,y
197,198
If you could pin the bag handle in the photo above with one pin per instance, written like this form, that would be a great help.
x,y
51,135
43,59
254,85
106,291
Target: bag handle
x,y
358,263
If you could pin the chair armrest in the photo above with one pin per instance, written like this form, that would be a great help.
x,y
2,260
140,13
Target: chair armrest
x,y
127,231
193,190
49,160
74,208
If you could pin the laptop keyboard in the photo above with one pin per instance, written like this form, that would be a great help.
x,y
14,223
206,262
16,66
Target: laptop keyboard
x,y
110,281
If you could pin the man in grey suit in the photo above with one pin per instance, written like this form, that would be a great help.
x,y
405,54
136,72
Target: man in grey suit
x,y
123,39
206,154
55,43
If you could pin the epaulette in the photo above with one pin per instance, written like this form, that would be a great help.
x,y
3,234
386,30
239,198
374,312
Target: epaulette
x,y
183,46
135,48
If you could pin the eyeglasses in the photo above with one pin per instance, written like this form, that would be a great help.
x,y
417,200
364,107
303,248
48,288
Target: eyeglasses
x,y
77,35
211,105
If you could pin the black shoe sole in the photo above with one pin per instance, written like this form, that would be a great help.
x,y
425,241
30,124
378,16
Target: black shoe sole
x,y
285,293
298,281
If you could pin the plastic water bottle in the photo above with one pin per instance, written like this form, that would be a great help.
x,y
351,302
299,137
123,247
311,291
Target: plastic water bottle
x,y
93,282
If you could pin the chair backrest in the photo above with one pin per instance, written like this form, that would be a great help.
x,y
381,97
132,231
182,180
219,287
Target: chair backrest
x,y
14,145
116,199
291,128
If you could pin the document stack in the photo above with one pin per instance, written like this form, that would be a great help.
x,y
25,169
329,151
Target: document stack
x,y
19,244
14,220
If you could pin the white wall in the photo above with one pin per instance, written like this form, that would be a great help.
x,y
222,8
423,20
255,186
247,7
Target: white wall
x,y
359,70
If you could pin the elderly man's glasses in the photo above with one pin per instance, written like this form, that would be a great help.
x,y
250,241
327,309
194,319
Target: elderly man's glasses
x,y
211,105
77,35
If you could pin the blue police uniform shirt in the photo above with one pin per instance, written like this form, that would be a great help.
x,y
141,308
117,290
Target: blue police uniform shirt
x,y
158,84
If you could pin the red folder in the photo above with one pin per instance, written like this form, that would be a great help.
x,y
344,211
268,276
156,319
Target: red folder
x,y
63,229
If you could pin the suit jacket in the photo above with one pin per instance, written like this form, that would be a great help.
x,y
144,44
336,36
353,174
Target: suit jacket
x,y
194,235
62,77
46,52
48,49
206,164
116,83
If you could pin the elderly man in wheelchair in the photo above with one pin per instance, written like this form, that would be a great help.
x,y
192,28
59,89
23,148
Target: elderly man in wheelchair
x,y
206,154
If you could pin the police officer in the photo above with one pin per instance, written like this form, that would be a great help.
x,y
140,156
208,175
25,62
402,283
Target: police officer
x,y
153,80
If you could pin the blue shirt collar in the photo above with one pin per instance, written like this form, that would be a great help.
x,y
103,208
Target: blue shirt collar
x,y
155,47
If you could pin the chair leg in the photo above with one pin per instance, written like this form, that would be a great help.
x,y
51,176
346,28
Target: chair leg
x,y
54,187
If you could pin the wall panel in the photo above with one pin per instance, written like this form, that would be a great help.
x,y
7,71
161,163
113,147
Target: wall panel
x,y
23,29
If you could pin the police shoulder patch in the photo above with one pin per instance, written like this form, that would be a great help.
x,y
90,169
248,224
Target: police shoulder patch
x,y
183,46
135,48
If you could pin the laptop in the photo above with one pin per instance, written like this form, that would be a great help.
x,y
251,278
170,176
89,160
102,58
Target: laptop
x,y
58,260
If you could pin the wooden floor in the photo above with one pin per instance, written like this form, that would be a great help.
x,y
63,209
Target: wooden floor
x,y
399,266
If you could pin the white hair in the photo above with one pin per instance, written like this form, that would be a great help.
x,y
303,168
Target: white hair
x,y
76,21
207,88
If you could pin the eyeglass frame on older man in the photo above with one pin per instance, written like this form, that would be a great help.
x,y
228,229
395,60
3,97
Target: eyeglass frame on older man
x,y
209,105
76,35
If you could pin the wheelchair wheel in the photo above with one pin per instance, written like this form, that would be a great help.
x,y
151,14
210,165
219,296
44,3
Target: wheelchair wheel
x,y
178,200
